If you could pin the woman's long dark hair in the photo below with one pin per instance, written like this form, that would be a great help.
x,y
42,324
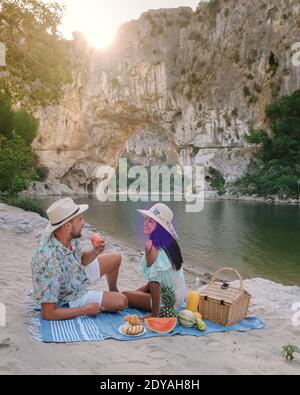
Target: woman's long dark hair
x,y
163,240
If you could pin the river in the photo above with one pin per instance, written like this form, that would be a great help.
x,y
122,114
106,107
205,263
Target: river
x,y
257,239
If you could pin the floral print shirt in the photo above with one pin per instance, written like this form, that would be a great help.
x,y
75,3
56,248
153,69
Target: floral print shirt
x,y
57,273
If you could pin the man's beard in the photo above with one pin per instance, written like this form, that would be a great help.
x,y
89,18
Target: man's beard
x,y
76,235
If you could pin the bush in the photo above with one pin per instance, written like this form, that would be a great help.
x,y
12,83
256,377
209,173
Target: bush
x,y
163,158
193,79
268,181
17,160
217,181
6,118
246,91
16,165
252,100
19,121
235,112
257,88
289,351
257,136
275,171
25,126
26,204
227,120
196,149
42,173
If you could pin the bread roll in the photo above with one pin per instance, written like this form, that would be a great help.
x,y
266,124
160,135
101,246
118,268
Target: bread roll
x,y
133,320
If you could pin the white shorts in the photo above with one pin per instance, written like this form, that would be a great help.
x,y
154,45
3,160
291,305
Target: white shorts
x,y
93,273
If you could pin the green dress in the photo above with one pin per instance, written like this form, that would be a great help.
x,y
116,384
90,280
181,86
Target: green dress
x,y
162,272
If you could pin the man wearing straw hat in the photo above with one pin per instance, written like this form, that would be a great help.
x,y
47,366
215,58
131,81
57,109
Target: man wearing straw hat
x,y
62,272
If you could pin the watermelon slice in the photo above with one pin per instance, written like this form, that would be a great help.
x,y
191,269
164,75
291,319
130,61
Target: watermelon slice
x,y
161,325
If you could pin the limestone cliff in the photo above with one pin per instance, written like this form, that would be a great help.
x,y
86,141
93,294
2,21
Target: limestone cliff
x,y
176,86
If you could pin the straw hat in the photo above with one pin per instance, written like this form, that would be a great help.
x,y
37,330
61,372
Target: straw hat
x,y
63,211
163,215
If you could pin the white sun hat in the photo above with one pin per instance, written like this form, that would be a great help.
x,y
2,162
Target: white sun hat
x,y
63,211
163,215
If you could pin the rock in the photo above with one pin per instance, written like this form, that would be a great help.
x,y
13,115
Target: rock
x,y
21,222
20,229
43,189
4,344
189,82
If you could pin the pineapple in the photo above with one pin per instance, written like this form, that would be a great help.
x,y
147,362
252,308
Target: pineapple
x,y
168,298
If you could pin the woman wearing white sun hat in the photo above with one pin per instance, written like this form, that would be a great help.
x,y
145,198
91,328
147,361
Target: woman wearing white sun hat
x,y
162,263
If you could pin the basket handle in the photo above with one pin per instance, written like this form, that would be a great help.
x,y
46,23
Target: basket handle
x,y
228,269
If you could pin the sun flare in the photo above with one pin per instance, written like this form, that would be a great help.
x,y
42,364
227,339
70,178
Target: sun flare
x,y
99,20
99,35
98,23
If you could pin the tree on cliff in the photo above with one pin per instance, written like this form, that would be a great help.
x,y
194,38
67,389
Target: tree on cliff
x,y
275,171
18,121
16,165
17,160
37,58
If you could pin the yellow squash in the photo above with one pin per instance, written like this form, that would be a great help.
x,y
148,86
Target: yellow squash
x,y
193,301
198,316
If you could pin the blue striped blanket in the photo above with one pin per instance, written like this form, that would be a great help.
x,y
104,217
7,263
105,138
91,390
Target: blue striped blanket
x,y
106,326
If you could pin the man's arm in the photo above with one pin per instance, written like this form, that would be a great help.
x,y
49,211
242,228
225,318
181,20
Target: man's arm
x,y
89,256
51,312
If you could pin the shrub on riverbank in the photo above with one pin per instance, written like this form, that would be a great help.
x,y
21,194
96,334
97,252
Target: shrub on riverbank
x,y
275,171
217,181
17,160
17,165
18,121
17,170
25,204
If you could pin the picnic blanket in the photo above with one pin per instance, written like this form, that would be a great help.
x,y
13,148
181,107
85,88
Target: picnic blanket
x,y
106,326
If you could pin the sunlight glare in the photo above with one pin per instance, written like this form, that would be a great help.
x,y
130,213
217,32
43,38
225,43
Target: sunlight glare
x,y
101,36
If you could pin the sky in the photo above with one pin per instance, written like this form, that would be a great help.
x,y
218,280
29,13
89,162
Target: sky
x,y
99,20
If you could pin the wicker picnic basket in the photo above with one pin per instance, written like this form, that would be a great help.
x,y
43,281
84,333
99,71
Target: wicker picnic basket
x,y
222,303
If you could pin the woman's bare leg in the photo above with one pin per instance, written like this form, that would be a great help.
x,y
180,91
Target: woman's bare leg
x,y
139,300
146,289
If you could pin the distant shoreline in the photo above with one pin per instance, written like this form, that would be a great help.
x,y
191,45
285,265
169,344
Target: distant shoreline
x,y
61,190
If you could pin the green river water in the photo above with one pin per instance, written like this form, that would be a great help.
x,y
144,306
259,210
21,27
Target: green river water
x,y
258,239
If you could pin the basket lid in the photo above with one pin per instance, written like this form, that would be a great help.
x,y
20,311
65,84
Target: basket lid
x,y
223,291
217,292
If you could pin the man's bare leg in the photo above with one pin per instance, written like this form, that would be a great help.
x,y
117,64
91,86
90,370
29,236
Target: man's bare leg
x,y
110,267
114,302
